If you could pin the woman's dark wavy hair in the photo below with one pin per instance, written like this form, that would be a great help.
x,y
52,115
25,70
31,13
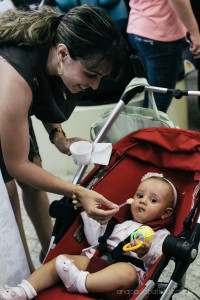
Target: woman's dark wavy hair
x,y
90,34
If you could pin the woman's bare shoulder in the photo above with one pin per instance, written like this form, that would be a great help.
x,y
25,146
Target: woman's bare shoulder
x,y
13,86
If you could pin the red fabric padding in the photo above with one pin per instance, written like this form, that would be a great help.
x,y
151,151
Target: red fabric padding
x,y
173,152
164,147
58,292
96,264
68,244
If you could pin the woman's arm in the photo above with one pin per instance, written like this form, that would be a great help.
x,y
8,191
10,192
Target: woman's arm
x,y
15,100
59,138
92,229
184,11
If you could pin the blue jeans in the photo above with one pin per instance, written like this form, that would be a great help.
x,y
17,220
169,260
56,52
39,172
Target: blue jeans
x,y
162,62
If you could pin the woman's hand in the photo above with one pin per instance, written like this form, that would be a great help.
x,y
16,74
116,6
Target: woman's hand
x,y
195,48
96,206
184,12
63,143
59,138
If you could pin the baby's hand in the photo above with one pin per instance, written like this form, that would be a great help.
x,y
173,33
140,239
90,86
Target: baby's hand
x,y
141,251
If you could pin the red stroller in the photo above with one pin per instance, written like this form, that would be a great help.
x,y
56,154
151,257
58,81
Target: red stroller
x,y
171,151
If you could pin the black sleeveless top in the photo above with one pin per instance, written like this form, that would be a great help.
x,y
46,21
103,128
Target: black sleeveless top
x,y
48,104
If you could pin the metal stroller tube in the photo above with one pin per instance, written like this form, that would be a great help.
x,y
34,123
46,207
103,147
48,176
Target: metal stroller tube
x,y
178,94
100,136
125,98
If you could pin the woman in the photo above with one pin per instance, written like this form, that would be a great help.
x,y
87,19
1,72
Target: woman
x,y
47,61
156,31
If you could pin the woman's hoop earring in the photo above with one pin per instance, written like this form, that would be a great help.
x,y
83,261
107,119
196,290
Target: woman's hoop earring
x,y
60,68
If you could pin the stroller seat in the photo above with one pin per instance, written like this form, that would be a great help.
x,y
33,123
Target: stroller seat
x,y
171,151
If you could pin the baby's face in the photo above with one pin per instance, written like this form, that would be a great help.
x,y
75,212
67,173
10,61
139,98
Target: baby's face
x,y
151,201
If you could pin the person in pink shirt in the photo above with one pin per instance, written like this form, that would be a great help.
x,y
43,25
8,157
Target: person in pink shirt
x,y
153,203
156,31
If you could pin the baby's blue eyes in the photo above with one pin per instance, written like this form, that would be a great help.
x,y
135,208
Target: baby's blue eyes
x,y
153,200
140,196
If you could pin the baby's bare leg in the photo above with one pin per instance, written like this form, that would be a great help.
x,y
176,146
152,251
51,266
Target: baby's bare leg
x,y
113,281
47,276
117,277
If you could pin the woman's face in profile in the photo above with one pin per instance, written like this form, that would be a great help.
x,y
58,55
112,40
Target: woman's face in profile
x,y
77,78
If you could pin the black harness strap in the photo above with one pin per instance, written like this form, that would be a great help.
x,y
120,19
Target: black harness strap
x,y
130,259
116,254
117,251
103,247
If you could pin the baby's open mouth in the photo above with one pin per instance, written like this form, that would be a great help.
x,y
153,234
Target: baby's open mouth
x,y
140,209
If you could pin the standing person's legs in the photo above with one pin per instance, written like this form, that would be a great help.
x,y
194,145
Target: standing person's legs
x,y
15,203
36,202
162,62
13,263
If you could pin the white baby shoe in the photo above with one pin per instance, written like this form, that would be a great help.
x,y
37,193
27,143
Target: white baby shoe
x,y
8,293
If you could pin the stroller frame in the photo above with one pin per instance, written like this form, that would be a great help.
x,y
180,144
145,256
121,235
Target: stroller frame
x,y
185,248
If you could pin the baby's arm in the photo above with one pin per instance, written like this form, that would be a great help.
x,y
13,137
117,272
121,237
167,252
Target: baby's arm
x,y
92,229
155,250
141,251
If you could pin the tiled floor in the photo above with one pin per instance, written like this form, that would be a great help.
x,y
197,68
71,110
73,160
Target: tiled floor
x,y
193,273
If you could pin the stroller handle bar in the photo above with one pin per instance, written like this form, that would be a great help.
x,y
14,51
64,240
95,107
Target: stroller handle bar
x,y
125,98
178,94
138,67
141,73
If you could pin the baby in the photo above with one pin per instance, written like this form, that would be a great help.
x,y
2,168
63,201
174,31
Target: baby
x,y
155,199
